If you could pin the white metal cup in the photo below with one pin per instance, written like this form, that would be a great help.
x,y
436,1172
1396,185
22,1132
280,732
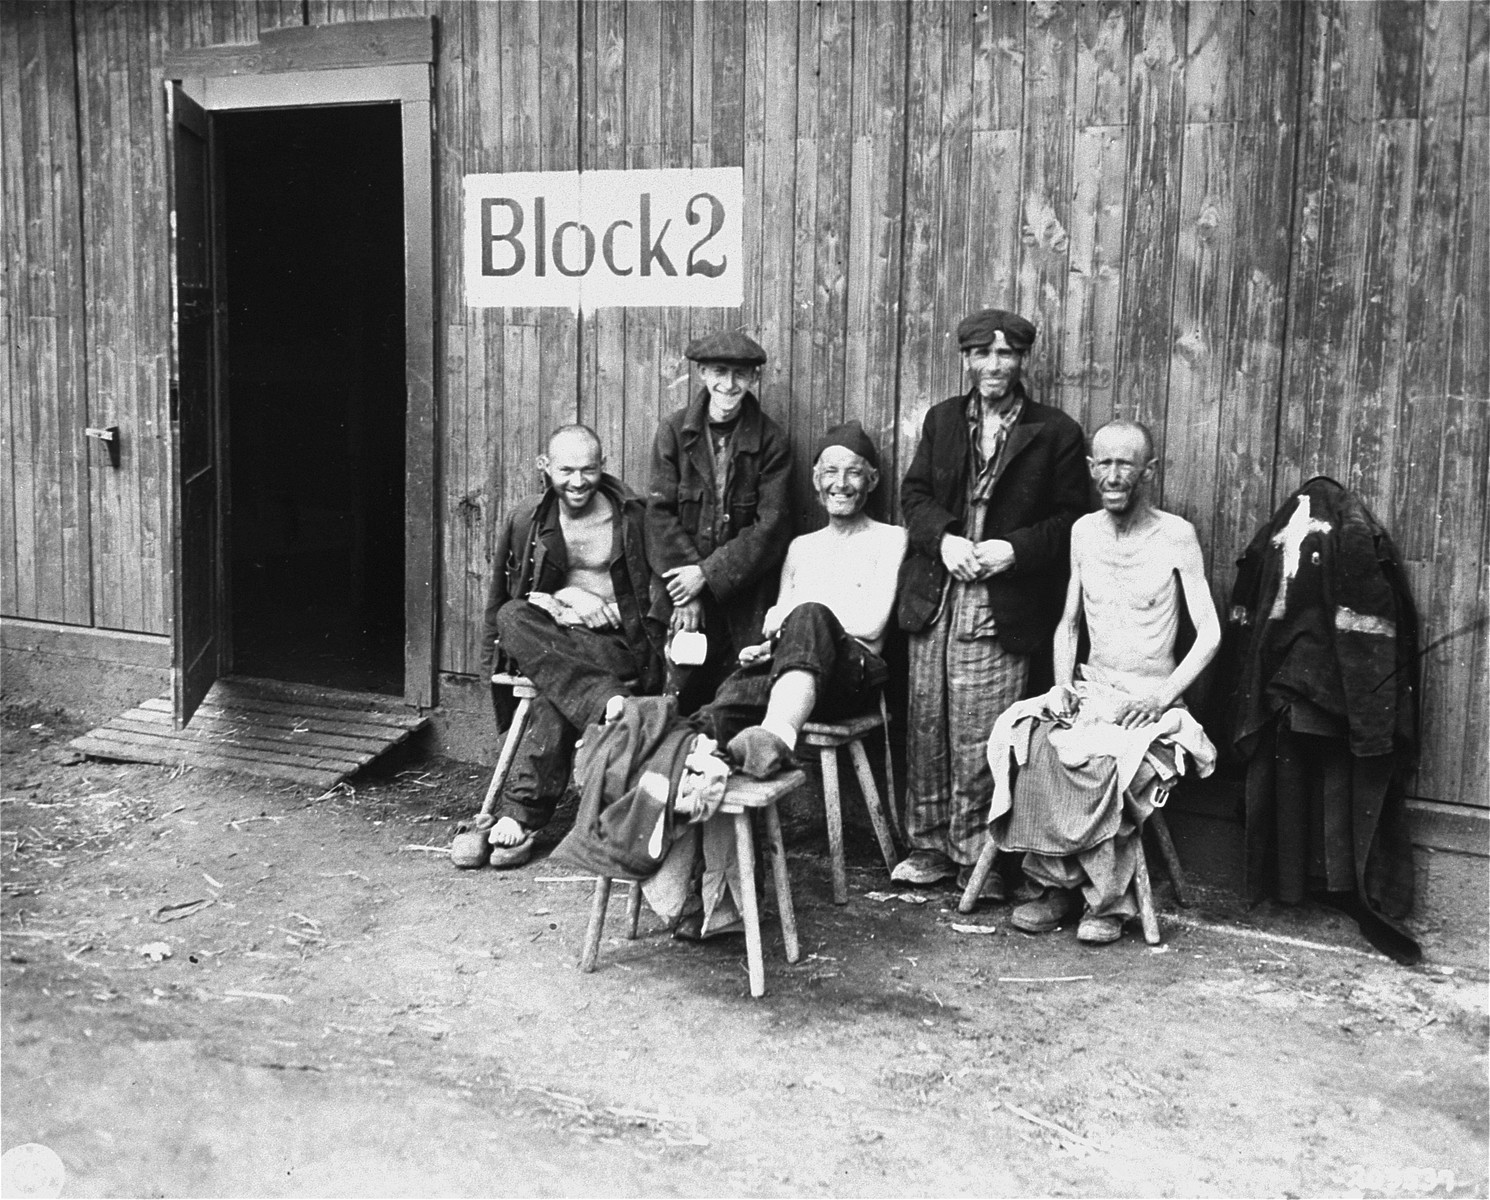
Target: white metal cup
x,y
689,648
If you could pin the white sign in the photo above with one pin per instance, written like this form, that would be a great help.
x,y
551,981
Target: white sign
x,y
604,239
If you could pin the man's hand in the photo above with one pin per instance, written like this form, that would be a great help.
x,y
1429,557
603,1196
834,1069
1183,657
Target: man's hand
x,y
587,609
688,618
774,619
1063,702
755,654
960,557
994,557
1144,711
685,583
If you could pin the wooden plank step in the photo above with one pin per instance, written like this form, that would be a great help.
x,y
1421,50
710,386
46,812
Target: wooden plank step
x,y
312,736
100,746
372,705
124,732
327,733
216,702
241,747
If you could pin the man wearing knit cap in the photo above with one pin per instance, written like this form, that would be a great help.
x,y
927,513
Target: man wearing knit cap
x,y
989,500
717,516
823,636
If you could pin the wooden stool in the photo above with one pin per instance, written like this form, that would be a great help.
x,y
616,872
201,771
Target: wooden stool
x,y
1142,888
741,797
523,691
1160,826
826,737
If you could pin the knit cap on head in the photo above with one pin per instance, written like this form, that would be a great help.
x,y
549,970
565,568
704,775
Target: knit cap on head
x,y
850,435
978,329
727,346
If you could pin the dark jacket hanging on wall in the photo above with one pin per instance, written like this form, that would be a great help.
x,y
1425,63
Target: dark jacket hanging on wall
x,y
1323,646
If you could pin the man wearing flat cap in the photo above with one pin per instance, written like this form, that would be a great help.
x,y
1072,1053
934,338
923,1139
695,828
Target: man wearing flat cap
x,y
821,655
989,500
717,515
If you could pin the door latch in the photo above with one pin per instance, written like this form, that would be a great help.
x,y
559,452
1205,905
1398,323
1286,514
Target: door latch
x,y
109,436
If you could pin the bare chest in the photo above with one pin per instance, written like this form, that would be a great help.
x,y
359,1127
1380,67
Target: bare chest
x,y
589,539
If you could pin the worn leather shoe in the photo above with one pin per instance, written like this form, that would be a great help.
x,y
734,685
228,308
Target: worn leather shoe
x,y
1099,931
923,867
1048,913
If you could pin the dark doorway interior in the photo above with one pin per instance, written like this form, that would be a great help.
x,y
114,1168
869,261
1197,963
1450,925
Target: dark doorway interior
x,y
313,234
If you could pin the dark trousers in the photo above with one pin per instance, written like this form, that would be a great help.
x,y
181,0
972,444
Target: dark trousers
x,y
576,670
849,675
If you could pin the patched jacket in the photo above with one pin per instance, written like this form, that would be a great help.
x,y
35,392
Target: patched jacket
x,y
1042,487
530,555
739,544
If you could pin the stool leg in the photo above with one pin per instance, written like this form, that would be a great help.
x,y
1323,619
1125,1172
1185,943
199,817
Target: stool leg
x,y
777,850
600,898
1145,894
633,910
833,810
509,752
1171,860
745,852
981,871
872,802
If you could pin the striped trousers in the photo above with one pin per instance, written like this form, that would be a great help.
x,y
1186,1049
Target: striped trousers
x,y
960,681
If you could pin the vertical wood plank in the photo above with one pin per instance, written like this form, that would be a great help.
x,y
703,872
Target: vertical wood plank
x,y
1266,108
1469,384
1435,273
774,316
1338,137
1050,83
467,505
937,123
279,14
1096,220
603,130
13,345
557,35
1215,54
998,41
1156,129
824,173
877,186
644,327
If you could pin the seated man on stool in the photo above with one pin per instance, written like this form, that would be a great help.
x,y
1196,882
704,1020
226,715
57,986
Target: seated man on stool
x,y
1098,754
824,634
569,596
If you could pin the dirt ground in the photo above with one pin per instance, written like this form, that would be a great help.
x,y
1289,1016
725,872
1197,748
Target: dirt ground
x,y
347,1015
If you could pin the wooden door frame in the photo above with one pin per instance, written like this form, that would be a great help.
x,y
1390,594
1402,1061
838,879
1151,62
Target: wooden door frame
x,y
366,62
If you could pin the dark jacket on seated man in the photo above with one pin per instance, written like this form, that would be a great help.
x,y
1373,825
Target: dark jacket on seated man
x,y
530,556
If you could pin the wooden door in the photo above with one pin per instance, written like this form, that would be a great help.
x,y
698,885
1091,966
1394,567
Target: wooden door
x,y
194,412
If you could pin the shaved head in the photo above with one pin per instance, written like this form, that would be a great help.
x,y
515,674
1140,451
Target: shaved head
x,y
591,438
1128,427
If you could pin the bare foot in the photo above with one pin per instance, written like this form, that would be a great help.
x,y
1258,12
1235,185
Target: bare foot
x,y
506,832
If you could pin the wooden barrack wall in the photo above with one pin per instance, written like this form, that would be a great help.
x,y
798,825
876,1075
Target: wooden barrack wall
x,y
1260,227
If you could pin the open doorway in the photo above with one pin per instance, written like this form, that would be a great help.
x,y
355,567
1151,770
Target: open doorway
x,y
313,275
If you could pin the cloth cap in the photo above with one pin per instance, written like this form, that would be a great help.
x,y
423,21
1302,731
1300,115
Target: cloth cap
x,y
727,346
852,436
978,329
